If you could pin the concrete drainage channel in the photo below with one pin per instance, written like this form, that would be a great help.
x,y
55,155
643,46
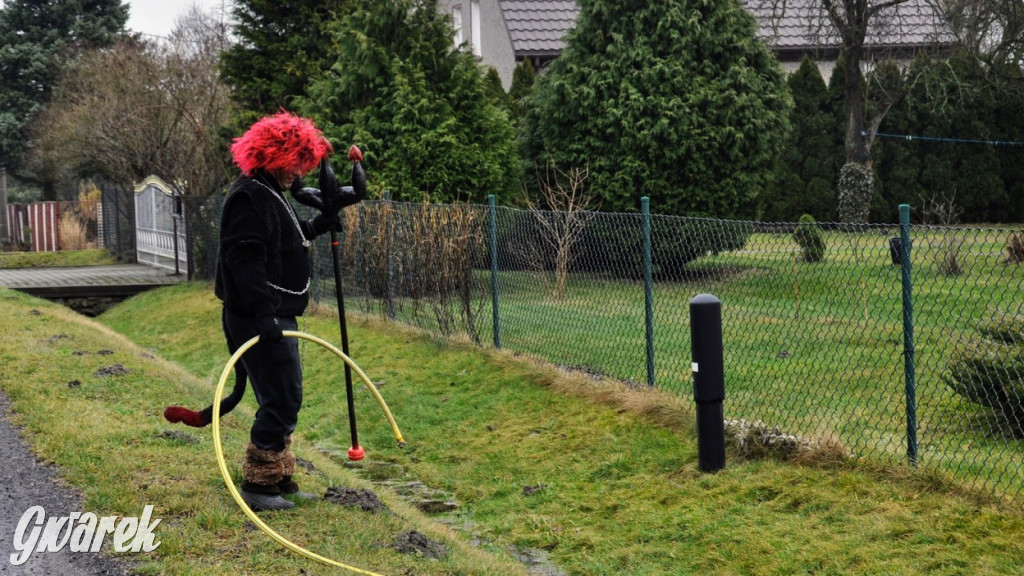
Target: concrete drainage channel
x,y
445,509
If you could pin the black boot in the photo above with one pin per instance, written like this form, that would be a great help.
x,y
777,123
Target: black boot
x,y
261,472
260,498
289,488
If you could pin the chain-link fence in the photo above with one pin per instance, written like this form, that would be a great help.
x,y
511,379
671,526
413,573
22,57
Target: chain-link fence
x,y
201,215
818,341
827,334
117,220
202,234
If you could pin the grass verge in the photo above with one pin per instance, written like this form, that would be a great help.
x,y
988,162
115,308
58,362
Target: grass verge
x,y
97,257
601,478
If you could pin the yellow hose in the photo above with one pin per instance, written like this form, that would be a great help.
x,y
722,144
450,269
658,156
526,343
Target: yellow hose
x,y
220,449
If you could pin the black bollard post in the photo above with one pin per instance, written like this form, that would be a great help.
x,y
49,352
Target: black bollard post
x,y
708,380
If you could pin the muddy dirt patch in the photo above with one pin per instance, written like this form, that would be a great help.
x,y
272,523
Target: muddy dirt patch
x,y
355,498
113,370
413,542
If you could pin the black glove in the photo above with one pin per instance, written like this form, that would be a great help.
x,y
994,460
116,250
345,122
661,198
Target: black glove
x,y
270,330
323,223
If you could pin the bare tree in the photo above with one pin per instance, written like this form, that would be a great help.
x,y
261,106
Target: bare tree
x,y
993,30
142,108
863,29
561,213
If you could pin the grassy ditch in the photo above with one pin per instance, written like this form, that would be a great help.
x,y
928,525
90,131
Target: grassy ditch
x,y
816,349
599,478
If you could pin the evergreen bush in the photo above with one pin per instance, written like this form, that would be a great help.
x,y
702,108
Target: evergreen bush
x,y
810,239
674,100
989,369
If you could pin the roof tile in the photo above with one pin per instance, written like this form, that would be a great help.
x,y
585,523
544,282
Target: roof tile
x,y
539,26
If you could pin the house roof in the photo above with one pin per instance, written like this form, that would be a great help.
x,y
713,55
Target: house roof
x,y
802,26
538,27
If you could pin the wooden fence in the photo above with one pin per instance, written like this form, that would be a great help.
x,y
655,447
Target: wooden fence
x,y
35,225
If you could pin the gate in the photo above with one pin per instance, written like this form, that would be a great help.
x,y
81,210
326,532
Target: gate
x,y
159,226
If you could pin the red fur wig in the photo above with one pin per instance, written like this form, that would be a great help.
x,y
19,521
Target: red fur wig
x,y
283,141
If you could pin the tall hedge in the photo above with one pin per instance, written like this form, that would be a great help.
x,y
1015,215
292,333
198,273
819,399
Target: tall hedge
x,y
418,106
954,103
675,100
809,167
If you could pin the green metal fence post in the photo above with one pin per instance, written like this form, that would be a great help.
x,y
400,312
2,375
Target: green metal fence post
x,y
645,204
389,240
494,270
908,336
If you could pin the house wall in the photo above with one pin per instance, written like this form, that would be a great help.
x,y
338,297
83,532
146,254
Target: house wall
x,y
825,67
495,45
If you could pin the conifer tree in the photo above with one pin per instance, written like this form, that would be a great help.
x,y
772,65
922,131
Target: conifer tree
x,y
523,78
674,100
807,167
37,40
416,104
282,48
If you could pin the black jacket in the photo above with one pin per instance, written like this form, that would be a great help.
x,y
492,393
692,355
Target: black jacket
x,y
263,263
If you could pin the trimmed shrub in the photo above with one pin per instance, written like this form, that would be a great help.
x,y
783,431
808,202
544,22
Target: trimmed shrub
x,y
613,244
810,239
989,370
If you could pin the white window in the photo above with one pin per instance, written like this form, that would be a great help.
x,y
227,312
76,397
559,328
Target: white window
x,y
457,23
474,15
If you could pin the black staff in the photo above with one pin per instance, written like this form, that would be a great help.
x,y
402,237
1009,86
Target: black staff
x,y
331,200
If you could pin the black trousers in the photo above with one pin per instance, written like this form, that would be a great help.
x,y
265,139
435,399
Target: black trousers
x,y
275,375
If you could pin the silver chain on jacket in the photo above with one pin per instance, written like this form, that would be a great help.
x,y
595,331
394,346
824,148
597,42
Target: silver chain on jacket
x,y
295,220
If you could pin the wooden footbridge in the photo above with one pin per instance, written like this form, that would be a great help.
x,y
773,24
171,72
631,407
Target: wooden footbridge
x,y
116,282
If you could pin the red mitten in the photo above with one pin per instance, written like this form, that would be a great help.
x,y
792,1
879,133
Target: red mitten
x,y
184,415
355,154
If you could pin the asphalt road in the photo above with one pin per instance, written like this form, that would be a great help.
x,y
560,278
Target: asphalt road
x,y
26,482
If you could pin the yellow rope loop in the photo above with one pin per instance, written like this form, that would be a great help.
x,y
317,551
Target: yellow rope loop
x,y
220,449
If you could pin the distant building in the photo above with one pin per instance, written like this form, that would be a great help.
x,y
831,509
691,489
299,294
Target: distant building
x,y
504,32
899,33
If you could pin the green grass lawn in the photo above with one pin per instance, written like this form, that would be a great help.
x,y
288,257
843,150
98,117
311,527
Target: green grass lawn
x,y
95,257
816,349
601,478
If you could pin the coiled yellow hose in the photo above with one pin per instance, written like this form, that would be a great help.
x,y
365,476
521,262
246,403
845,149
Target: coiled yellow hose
x,y
220,449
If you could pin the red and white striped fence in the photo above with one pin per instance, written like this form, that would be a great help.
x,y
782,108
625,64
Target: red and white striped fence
x,y
37,223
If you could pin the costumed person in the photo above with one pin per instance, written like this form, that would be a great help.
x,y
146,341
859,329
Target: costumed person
x,y
263,278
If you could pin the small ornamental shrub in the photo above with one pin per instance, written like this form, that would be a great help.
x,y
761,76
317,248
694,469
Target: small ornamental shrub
x,y
810,239
989,370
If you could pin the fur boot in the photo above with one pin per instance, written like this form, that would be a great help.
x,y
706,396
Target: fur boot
x,y
287,486
263,470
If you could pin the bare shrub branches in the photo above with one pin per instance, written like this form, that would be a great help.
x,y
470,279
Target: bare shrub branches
x,y
561,213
